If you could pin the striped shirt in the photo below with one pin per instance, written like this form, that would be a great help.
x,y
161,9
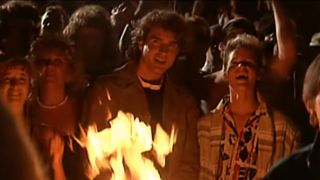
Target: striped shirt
x,y
273,137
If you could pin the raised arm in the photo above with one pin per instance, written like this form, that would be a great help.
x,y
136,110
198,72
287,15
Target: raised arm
x,y
285,57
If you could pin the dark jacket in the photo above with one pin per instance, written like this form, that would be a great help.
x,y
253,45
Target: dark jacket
x,y
179,108
303,164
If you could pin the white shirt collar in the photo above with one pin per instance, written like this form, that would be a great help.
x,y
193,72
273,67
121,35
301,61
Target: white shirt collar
x,y
148,85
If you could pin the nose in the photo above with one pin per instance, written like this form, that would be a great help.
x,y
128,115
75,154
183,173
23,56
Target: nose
x,y
13,82
48,63
164,48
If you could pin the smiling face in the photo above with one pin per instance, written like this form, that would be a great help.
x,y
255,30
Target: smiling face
x,y
159,51
15,85
242,69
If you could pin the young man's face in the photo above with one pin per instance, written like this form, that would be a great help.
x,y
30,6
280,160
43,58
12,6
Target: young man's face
x,y
242,69
159,50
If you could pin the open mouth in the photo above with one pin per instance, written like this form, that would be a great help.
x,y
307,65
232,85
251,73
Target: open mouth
x,y
242,77
161,61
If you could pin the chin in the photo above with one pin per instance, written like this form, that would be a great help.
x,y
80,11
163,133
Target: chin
x,y
242,86
15,103
159,70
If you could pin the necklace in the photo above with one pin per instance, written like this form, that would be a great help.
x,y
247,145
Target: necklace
x,y
52,106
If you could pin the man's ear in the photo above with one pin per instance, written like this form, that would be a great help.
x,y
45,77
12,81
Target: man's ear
x,y
313,120
221,46
309,107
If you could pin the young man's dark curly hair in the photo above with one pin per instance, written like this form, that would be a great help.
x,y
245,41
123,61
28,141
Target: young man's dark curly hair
x,y
168,20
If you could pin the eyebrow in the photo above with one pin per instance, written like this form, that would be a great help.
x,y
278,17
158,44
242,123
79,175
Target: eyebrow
x,y
155,37
242,59
22,73
159,38
25,74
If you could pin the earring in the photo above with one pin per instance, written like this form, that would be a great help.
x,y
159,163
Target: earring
x,y
258,79
29,95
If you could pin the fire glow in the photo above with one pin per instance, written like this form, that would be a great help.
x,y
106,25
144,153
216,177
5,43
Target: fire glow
x,y
122,148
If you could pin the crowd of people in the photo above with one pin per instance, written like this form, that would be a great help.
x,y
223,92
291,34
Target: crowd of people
x,y
238,79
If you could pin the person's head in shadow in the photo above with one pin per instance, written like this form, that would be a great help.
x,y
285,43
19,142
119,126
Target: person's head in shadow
x,y
54,20
90,30
311,92
18,27
198,42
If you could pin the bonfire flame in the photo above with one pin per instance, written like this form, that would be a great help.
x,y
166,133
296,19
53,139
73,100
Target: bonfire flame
x,y
126,141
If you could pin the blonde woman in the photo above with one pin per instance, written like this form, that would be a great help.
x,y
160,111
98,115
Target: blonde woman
x,y
56,104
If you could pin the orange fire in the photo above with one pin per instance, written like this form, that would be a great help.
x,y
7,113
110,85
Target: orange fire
x,y
121,148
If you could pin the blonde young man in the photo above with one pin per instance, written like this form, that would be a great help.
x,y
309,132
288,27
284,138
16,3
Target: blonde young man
x,y
243,137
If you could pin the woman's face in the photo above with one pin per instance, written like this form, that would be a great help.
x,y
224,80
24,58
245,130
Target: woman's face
x,y
15,86
53,67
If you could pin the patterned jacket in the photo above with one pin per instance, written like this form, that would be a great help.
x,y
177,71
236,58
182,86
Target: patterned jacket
x,y
277,138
